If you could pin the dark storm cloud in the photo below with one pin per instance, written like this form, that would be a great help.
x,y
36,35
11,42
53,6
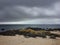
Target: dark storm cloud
x,y
28,2
10,10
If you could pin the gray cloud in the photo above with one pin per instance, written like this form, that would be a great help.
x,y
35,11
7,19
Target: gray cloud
x,y
28,2
18,10
35,21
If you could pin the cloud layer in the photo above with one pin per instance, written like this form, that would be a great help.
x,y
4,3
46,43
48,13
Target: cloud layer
x,y
35,21
24,12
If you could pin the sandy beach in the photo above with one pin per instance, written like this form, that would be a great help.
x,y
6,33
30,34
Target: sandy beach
x,y
21,40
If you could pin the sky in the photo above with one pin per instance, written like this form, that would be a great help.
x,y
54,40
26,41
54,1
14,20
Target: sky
x,y
29,11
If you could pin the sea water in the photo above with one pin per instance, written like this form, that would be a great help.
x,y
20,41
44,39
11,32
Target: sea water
x,y
20,26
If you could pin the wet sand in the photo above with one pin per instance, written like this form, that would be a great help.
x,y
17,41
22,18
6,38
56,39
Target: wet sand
x,y
21,40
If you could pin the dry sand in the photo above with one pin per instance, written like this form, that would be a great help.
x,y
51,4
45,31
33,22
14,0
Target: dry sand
x,y
55,32
21,40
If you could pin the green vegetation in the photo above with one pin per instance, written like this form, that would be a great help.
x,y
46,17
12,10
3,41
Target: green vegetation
x,y
30,33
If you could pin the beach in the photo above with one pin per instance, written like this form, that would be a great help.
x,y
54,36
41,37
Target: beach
x,y
21,40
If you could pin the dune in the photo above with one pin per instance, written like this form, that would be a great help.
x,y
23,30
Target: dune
x,y
21,40
55,32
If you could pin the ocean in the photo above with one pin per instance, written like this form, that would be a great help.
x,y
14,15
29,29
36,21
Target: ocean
x,y
20,26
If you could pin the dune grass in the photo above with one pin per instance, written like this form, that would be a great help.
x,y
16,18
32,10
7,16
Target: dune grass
x,y
30,33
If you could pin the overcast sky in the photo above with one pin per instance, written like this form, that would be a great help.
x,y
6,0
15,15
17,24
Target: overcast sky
x,y
29,11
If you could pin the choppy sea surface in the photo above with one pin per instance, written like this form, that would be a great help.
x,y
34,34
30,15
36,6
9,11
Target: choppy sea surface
x,y
19,26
